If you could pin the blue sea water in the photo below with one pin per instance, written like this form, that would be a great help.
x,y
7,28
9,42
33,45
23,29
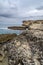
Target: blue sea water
x,y
7,23
4,28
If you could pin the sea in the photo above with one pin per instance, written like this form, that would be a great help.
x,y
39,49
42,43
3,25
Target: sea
x,y
4,27
7,23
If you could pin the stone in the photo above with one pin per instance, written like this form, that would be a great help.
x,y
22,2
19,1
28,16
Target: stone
x,y
25,49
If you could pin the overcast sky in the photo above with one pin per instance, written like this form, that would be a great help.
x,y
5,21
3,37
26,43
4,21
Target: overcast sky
x,y
10,9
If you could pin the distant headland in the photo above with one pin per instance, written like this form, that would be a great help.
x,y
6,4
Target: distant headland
x,y
28,24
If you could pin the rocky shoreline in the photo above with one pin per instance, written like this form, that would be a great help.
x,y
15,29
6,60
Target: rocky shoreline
x,y
25,49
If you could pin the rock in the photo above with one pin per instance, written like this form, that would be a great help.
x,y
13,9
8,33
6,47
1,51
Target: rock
x,y
30,22
36,26
1,56
20,50
25,49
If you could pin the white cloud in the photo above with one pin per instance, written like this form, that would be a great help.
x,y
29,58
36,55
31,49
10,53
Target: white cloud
x,y
20,8
33,12
8,8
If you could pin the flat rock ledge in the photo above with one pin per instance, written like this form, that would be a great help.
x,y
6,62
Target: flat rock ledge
x,y
25,49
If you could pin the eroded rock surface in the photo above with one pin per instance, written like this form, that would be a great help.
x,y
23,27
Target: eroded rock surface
x,y
25,49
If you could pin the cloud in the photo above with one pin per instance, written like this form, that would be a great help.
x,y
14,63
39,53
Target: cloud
x,y
5,15
32,12
8,9
35,12
9,13
40,8
28,8
20,8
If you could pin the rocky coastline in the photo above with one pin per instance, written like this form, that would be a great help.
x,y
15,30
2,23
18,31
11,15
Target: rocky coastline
x,y
26,48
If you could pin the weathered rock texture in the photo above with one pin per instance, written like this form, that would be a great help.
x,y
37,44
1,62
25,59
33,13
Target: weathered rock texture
x,y
33,24
30,22
25,49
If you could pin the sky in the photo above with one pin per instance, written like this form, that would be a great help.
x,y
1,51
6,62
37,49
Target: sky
x,y
13,10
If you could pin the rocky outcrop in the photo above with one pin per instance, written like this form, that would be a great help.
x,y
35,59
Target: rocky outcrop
x,y
30,22
25,49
